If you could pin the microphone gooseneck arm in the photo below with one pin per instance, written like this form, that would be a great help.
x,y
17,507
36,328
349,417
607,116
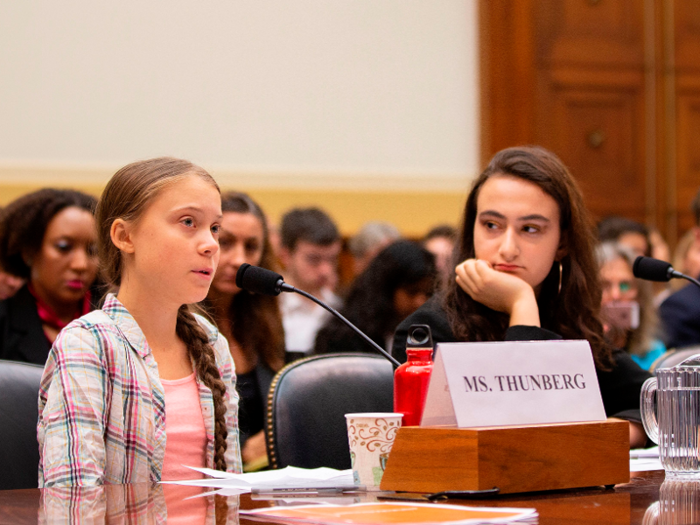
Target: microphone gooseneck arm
x,y
288,288
281,286
266,282
688,278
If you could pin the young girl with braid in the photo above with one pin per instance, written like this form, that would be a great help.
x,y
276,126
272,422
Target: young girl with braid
x,y
136,390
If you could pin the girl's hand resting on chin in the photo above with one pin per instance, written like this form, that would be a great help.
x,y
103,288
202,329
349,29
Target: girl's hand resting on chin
x,y
499,291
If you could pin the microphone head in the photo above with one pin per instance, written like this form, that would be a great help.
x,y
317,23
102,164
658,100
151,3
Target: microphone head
x,y
258,280
651,269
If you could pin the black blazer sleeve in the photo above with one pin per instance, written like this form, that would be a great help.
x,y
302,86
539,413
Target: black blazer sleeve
x,y
432,314
530,333
680,317
621,386
21,333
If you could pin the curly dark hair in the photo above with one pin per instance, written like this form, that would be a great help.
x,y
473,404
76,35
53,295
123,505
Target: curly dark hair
x,y
573,312
24,221
370,302
255,310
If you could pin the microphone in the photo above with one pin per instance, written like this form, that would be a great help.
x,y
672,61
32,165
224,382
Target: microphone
x,y
260,280
266,282
651,269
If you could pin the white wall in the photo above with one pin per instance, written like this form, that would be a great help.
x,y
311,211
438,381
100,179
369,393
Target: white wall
x,y
381,92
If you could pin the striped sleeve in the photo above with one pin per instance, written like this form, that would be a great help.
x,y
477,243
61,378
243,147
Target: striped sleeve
x,y
73,401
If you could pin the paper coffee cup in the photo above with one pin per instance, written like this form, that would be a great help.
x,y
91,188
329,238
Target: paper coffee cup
x,y
371,436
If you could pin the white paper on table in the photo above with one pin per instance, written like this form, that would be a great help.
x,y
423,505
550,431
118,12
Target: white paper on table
x,y
286,478
639,453
644,464
643,459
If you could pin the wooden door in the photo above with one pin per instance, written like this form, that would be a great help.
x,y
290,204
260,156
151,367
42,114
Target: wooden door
x,y
611,86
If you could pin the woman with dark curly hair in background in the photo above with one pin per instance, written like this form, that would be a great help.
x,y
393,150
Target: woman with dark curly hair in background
x,y
47,237
251,323
397,281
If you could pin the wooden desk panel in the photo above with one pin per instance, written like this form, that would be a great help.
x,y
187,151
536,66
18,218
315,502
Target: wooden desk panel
x,y
626,504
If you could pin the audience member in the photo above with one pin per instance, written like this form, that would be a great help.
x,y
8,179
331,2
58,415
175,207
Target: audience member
x,y
258,353
47,238
629,317
440,241
372,238
626,232
686,258
309,253
273,234
659,247
9,284
641,240
680,313
529,272
397,281
114,375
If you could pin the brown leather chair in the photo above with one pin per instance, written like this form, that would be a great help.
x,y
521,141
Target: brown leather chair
x,y
19,450
308,401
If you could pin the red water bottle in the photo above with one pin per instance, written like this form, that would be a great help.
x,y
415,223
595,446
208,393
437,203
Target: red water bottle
x,y
411,379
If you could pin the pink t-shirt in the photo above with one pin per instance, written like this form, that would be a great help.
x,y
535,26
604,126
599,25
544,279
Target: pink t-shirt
x,y
186,437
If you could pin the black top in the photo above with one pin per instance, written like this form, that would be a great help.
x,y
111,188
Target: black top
x,y
22,335
336,338
252,390
619,387
680,316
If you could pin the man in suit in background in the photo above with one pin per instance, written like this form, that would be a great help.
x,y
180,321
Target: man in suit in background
x,y
680,313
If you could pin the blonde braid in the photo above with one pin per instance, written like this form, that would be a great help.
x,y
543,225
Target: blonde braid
x,y
202,353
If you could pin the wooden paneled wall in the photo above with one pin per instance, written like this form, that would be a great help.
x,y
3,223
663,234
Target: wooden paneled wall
x,y
613,87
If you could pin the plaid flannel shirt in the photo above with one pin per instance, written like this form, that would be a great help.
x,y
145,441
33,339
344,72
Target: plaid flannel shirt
x,y
102,405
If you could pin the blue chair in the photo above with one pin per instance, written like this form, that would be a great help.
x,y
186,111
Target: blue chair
x,y
19,450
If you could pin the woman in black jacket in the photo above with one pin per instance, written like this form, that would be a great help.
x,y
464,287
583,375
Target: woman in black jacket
x,y
47,237
526,270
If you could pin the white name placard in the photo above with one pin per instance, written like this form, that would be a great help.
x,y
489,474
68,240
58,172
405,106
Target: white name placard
x,y
513,383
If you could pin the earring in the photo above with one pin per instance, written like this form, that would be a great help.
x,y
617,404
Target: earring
x,y
561,276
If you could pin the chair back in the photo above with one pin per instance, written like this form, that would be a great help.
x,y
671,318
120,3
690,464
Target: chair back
x,y
673,357
19,450
308,401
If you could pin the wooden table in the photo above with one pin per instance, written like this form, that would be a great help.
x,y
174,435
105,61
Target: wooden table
x,y
633,503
